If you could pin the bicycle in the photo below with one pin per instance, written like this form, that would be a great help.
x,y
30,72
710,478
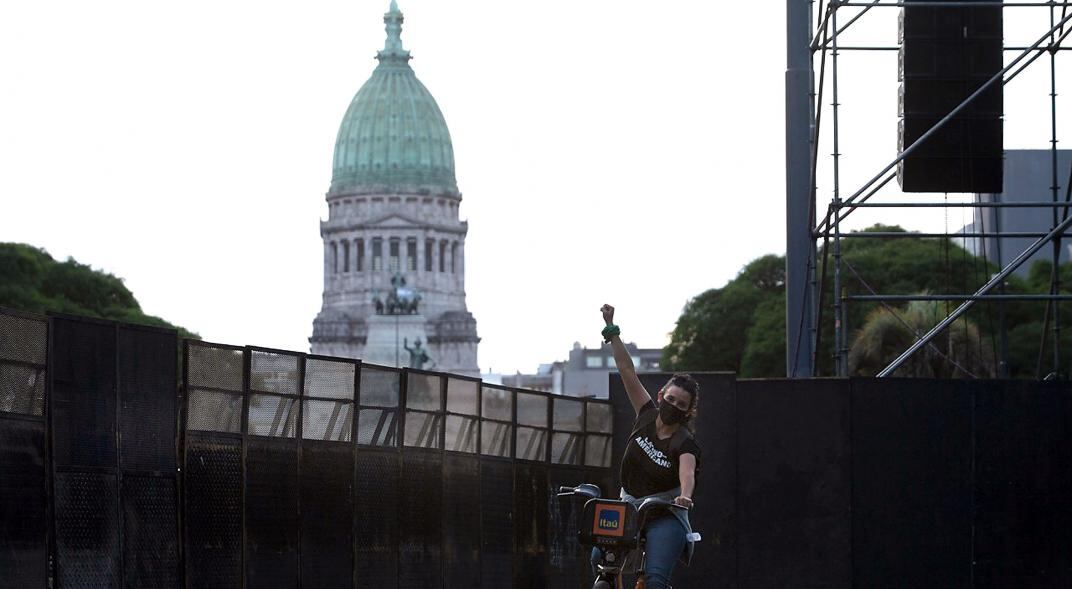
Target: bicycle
x,y
616,527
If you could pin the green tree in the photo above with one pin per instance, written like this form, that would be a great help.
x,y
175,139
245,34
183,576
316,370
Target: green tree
x,y
712,332
958,352
31,280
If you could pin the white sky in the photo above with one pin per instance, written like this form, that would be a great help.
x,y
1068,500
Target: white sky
x,y
608,151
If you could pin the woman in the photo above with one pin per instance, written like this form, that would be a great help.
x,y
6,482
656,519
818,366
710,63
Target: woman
x,y
660,458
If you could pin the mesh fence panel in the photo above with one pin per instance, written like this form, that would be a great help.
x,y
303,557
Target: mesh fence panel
x,y
568,415
87,530
23,339
567,560
150,532
22,389
463,396
597,451
376,518
496,523
327,476
327,378
422,429
273,373
531,444
462,433
213,485
213,411
23,495
379,388
273,416
495,438
83,390
530,525
377,427
461,507
147,381
271,513
598,418
420,516
566,448
214,367
327,420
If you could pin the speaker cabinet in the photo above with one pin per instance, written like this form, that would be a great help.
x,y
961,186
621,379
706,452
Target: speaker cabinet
x,y
946,54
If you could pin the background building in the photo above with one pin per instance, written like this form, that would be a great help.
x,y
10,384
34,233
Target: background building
x,y
393,213
585,373
1028,177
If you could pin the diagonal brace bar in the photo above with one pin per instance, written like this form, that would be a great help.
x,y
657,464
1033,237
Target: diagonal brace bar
x,y
963,308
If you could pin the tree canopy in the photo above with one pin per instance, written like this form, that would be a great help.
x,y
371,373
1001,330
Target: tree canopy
x,y
31,280
740,327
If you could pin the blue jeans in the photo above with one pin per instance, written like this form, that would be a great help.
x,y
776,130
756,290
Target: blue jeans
x,y
664,544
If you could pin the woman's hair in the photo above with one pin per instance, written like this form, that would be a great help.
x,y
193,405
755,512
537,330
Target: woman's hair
x,y
688,384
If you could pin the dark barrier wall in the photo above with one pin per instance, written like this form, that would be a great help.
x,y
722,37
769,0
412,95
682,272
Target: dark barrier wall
x,y
113,423
307,471
878,482
341,474
23,478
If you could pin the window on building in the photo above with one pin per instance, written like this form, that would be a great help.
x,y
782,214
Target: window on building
x,y
377,254
411,254
454,258
429,247
393,259
443,256
359,255
334,258
346,256
594,361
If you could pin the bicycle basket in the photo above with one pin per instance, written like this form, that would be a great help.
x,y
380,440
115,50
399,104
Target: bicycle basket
x,y
607,522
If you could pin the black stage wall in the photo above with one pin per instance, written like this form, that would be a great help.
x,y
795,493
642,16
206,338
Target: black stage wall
x,y
878,482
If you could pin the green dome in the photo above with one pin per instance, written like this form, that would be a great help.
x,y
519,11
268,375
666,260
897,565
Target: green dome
x,y
393,137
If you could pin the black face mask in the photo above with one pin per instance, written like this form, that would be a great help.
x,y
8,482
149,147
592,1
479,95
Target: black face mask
x,y
670,414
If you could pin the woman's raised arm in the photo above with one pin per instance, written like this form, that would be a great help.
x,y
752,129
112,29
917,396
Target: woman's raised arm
x,y
638,395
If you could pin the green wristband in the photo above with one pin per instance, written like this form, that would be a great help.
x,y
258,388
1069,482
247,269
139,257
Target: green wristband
x,y
611,331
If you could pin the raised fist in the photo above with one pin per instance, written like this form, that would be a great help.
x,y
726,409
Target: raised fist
x,y
608,313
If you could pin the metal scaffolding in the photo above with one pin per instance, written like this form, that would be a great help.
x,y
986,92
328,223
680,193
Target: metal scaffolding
x,y
812,71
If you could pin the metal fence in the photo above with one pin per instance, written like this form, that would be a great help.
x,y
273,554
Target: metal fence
x,y
269,468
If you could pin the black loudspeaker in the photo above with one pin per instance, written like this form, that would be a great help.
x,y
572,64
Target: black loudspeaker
x,y
946,54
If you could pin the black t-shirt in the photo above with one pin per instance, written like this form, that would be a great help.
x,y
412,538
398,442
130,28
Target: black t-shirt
x,y
649,466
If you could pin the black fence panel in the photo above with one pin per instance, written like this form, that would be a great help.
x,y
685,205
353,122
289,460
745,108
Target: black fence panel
x,y
420,516
911,463
793,483
23,505
567,561
1023,485
271,513
327,478
213,511
23,476
496,523
83,404
530,525
376,503
150,532
147,385
87,530
461,508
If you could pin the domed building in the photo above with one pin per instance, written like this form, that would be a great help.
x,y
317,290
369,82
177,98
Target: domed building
x,y
394,244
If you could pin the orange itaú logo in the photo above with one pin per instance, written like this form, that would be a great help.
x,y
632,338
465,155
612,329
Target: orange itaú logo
x,y
609,520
